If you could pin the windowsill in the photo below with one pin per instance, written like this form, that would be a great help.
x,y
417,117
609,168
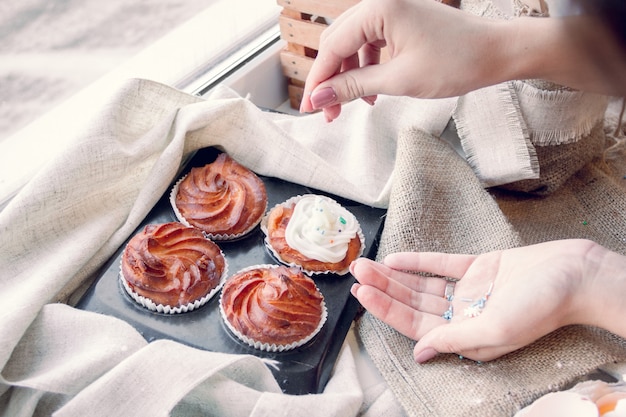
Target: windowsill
x,y
189,50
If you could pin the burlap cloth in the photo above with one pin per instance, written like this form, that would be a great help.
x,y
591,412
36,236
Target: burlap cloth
x,y
442,207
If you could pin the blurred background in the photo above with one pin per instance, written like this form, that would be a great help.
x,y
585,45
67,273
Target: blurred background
x,y
51,49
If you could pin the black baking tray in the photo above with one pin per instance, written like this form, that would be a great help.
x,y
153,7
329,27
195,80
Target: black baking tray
x,y
300,371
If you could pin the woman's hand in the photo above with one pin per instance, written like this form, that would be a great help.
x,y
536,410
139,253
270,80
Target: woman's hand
x,y
438,51
529,291
435,51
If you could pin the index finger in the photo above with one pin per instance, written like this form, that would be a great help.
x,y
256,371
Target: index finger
x,y
405,319
341,40
442,264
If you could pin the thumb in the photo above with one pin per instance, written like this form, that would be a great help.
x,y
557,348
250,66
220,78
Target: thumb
x,y
467,338
347,86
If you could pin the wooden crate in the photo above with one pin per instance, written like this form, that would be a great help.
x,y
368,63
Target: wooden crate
x,y
301,24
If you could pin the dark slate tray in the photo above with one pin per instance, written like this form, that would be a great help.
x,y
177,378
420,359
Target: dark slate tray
x,y
299,371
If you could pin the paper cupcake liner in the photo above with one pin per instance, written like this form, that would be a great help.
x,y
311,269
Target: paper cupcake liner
x,y
167,309
275,254
212,236
267,347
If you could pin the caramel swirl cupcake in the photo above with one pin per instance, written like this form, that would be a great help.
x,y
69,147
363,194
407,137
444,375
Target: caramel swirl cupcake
x,y
224,199
272,307
315,233
171,268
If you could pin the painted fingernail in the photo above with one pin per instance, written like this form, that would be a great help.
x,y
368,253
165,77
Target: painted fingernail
x,y
371,100
425,355
323,98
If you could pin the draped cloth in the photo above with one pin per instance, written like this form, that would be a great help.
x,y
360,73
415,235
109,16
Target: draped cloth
x,y
78,209
81,206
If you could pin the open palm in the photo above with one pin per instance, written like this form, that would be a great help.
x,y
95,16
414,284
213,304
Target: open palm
x,y
530,292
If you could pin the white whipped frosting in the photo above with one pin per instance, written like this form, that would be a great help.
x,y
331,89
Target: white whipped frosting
x,y
321,229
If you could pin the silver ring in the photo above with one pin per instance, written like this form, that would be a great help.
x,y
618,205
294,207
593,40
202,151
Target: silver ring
x,y
449,291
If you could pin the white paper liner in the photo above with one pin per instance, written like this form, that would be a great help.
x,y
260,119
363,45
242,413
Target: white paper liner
x,y
294,200
167,309
267,346
212,236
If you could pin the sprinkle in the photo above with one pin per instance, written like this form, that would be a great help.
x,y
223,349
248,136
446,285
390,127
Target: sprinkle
x,y
472,311
585,223
342,220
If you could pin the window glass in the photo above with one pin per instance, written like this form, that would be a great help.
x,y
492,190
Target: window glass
x,y
54,54
52,48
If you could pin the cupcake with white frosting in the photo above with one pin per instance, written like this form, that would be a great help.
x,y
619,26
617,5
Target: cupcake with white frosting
x,y
315,233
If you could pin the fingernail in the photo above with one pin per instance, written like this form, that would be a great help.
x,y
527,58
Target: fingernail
x,y
354,289
323,97
369,100
351,268
425,355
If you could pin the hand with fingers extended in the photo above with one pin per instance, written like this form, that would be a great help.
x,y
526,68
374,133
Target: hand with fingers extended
x,y
501,301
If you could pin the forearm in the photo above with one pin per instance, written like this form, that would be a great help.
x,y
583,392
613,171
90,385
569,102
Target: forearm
x,y
552,49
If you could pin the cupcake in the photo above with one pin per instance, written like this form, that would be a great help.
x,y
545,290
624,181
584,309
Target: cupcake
x,y
313,232
171,268
224,199
272,307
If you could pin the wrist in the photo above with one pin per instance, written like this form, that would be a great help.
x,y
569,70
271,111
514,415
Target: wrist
x,y
514,49
601,298
554,49
536,47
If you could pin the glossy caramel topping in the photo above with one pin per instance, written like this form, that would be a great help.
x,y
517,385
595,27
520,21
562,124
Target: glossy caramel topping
x,y
275,305
223,197
172,264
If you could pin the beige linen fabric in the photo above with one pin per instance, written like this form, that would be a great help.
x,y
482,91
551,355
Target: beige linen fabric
x,y
495,110
81,206
84,204
545,132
